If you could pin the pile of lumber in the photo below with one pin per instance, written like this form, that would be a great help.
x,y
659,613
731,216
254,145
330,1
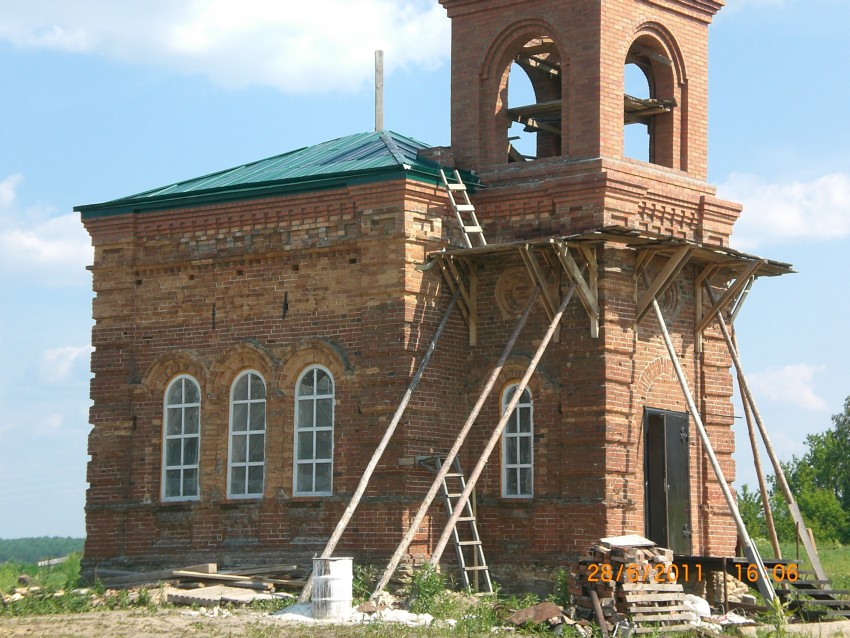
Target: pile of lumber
x,y
630,580
205,584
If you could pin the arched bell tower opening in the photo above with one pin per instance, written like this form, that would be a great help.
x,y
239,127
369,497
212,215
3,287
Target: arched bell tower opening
x,y
653,107
534,101
522,96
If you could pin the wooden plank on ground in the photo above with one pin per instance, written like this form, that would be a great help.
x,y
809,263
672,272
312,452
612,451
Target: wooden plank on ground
x,y
660,630
651,598
161,574
258,571
651,587
658,608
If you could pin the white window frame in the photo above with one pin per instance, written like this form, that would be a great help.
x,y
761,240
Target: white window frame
x,y
247,433
514,438
313,461
183,437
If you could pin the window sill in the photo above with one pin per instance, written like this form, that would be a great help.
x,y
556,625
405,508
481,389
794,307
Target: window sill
x,y
310,498
236,503
181,505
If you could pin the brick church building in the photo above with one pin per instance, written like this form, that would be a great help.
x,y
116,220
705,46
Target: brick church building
x,y
256,328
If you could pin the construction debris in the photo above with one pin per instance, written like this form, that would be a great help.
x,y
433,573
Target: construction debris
x,y
627,581
536,614
266,578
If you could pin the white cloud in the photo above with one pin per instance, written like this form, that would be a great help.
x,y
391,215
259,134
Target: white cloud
x,y
789,385
295,47
56,363
789,211
55,249
50,424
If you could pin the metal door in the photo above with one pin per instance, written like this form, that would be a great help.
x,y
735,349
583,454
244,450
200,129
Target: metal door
x,y
667,479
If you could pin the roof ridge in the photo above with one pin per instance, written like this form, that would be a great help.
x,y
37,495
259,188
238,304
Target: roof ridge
x,y
393,148
365,155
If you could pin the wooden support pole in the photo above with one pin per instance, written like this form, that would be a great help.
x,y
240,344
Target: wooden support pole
x,y
379,90
765,496
450,457
600,615
497,432
382,446
747,396
751,551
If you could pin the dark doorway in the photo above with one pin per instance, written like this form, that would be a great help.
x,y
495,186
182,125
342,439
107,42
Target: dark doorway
x,y
667,484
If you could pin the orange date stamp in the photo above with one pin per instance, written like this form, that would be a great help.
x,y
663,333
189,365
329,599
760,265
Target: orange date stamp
x,y
671,573
647,573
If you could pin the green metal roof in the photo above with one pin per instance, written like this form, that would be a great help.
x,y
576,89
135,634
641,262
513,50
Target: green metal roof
x,y
365,157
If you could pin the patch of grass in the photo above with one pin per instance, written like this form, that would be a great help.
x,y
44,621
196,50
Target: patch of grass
x,y
561,594
426,588
62,576
364,581
834,558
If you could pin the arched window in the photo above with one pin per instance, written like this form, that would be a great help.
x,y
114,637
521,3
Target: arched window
x,y
181,440
533,90
314,433
649,102
247,454
518,446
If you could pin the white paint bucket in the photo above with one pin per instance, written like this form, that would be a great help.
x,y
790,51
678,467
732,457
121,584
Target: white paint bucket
x,y
332,587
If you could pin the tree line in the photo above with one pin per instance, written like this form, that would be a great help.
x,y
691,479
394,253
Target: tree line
x,y
819,480
32,550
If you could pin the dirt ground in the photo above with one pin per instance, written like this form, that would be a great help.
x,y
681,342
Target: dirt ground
x,y
245,624
157,624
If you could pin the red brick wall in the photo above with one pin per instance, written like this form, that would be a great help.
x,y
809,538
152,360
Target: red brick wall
x,y
278,284
592,39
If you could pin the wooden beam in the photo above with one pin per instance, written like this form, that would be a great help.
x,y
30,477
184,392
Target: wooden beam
x,y
731,293
470,303
537,125
662,281
472,269
539,64
538,277
588,294
639,50
546,46
447,277
552,107
707,272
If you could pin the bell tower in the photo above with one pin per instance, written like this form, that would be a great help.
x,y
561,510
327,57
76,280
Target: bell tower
x,y
575,58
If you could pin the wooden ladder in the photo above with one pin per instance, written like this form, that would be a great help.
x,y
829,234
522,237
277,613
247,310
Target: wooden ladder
x,y
468,547
464,210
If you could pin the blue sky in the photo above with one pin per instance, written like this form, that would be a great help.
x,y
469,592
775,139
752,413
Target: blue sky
x,y
101,100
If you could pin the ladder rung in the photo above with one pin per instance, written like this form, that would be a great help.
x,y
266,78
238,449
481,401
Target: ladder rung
x,y
472,229
477,568
464,543
456,187
458,495
454,475
466,519
465,208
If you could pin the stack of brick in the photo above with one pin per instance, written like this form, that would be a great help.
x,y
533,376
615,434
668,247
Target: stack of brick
x,y
635,584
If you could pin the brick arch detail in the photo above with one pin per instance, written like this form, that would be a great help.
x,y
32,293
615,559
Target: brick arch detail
x,y
495,67
501,51
665,40
171,364
313,352
245,356
660,369
540,384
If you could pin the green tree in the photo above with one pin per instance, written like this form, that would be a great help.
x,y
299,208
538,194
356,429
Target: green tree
x,y
829,457
752,511
820,482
